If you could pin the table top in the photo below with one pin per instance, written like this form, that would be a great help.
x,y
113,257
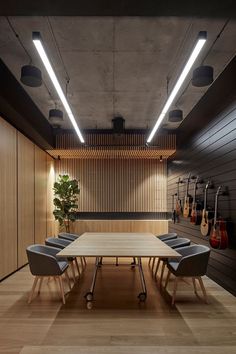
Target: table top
x,y
118,244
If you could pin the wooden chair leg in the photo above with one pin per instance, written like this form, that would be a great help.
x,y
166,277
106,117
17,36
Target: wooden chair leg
x,y
77,266
40,284
73,270
174,291
68,279
167,279
194,285
85,262
33,289
149,262
157,267
203,289
162,271
62,289
153,263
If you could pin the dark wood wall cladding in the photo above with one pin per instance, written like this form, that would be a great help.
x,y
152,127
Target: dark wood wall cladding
x,y
210,154
118,185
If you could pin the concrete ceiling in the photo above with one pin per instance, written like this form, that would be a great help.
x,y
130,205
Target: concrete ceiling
x,y
116,65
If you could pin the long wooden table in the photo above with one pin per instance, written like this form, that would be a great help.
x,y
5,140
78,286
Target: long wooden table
x,y
112,244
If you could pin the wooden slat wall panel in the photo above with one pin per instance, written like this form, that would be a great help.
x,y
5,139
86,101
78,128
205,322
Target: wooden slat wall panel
x,y
25,196
40,195
157,227
51,226
71,141
211,155
8,199
118,185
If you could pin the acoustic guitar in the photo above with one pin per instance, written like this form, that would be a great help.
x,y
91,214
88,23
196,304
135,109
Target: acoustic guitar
x,y
195,213
219,236
187,199
206,215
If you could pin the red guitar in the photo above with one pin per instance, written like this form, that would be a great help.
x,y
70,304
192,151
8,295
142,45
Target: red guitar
x,y
219,236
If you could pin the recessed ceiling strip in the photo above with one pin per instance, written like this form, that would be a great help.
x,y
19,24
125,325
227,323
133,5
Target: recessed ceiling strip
x,y
43,55
197,49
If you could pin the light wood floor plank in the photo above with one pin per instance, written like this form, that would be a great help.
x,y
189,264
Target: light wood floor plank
x,y
118,323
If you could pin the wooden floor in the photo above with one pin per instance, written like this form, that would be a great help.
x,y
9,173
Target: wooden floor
x,y
118,323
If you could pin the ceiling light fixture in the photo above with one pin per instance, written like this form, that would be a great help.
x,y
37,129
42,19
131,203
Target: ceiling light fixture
x,y
202,76
31,76
198,47
176,116
37,40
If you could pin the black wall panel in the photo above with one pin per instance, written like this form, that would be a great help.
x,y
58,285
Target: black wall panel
x,y
210,154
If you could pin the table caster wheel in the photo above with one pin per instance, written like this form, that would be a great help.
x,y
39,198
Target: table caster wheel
x,y
89,305
142,297
89,296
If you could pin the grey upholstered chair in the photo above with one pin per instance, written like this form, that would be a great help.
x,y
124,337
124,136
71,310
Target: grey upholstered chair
x,y
163,237
176,243
43,263
72,237
68,236
61,243
193,263
169,236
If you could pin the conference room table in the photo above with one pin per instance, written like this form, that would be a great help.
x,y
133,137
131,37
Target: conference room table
x,y
134,245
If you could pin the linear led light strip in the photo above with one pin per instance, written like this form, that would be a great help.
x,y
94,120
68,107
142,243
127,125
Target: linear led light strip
x,y
200,43
39,46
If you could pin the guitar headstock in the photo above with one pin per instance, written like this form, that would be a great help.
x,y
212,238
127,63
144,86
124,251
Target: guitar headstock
x,y
218,190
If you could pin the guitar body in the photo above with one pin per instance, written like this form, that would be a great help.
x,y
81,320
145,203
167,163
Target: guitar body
x,y
193,218
205,224
187,208
219,236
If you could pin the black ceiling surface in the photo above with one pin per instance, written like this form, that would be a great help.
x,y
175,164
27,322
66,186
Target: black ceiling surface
x,y
200,8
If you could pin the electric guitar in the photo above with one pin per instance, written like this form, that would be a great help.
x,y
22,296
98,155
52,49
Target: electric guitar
x,y
187,199
178,206
195,216
219,236
206,215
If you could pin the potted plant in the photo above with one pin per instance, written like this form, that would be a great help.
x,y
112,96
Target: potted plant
x,y
66,197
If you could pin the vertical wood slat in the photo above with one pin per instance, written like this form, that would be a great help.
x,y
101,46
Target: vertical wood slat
x,y
8,199
40,200
118,185
25,196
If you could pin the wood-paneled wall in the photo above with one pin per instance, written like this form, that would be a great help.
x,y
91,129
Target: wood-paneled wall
x,y
157,227
40,183
8,199
118,185
26,197
25,161
211,154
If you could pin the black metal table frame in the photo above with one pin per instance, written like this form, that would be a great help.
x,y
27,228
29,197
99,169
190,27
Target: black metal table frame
x,y
98,263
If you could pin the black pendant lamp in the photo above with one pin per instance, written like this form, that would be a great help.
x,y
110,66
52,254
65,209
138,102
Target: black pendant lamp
x,y
55,117
175,116
202,76
31,76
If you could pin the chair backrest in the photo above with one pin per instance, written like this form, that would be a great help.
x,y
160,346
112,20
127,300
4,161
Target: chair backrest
x,y
68,236
57,242
169,236
194,260
178,242
42,260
